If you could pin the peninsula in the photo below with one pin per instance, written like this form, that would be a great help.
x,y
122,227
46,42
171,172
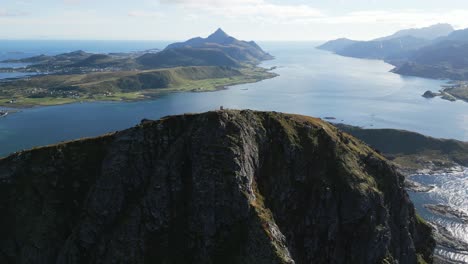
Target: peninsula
x,y
436,52
197,65
412,152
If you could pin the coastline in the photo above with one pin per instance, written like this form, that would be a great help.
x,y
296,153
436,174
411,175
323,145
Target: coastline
x,y
206,85
6,112
445,93
441,211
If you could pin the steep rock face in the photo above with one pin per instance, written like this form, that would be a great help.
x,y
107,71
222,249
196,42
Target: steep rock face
x,y
219,187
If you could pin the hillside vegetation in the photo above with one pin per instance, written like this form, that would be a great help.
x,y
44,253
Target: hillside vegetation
x,y
412,151
187,57
199,64
127,85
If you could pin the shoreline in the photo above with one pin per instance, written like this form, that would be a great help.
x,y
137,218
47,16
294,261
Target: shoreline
x,y
443,93
457,91
150,94
447,242
7,112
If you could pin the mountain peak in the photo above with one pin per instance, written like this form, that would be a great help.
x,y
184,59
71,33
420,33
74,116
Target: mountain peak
x,y
242,174
444,25
428,33
219,34
240,50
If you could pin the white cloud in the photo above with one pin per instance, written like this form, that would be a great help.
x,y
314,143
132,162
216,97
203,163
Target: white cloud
x,y
253,9
72,2
247,19
201,3
265,11
406,18
143,13
8,13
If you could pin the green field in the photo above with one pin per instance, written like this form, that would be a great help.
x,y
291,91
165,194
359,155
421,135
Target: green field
x,y
123,86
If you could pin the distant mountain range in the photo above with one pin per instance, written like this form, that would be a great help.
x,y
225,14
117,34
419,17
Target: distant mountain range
x,y
392,46
218,49
197,65
61,58
429,33
437,51
73,61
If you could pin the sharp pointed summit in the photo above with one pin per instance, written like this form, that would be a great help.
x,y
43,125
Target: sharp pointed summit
x,y
220,32
240,51
218,36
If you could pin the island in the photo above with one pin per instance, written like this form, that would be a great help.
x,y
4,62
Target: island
x,y
197,65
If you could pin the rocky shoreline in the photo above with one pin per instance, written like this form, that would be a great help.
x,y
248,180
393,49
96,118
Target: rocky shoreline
x,y
453,92
6,112
446,241
447,211
417,187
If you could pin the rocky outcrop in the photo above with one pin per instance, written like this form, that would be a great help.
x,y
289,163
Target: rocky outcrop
x,y
218,187
430,94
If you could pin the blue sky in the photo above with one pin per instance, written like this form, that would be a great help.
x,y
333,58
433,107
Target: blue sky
x,y
245,19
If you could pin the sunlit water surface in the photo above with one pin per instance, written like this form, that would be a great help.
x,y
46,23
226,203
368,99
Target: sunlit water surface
x,y
451,188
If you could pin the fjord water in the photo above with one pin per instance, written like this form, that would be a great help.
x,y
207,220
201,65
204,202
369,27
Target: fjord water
x,y
311,82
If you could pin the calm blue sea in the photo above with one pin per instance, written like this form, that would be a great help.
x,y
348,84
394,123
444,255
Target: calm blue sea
x,y
15,49
311,82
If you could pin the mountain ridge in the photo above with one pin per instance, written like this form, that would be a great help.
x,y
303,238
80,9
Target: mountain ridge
x,y
242,51
425,35
430,32
218,49
219,187
437,52
445,58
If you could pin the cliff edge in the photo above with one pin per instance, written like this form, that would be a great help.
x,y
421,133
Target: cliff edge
x,y
218,187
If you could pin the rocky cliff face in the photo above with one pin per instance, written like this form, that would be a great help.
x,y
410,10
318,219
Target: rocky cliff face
x,y
219,187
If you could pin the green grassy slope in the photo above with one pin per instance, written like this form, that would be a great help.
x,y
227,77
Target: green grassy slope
x,y
186,57
126,85
411,150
